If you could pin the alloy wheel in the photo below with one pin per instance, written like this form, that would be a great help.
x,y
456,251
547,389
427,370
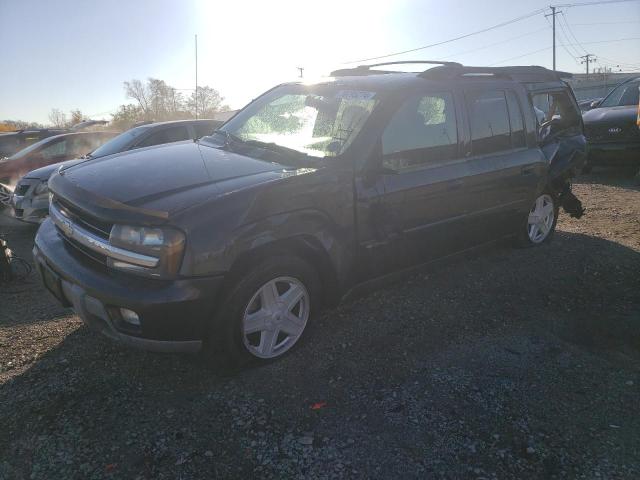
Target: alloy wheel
x,y
275,317
541,218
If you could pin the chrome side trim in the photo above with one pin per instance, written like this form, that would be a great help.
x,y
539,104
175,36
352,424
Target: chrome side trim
x,y
97,244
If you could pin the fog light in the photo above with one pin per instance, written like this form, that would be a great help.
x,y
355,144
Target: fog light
x,y
130,316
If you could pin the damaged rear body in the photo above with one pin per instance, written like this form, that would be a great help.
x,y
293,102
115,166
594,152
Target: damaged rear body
x,y
561,139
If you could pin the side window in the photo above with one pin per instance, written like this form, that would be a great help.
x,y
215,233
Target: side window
x,y
55,150
555,106
422,132
203,129
489,120
168,135
518,138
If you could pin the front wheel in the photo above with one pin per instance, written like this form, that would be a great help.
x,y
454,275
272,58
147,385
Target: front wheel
x,y
541,221
266,312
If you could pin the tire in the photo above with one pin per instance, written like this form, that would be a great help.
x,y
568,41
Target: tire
x,y
526,236
229,348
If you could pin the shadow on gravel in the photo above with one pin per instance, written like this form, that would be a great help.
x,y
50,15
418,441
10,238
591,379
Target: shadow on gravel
x,y
509,319
611,177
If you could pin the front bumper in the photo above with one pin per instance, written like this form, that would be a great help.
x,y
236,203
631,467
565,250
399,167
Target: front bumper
x,y
31,209
614,154
174,315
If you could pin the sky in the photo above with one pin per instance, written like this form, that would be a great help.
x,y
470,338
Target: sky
x,y
70,54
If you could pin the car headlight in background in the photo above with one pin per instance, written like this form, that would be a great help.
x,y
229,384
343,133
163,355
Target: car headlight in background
x,y
166,244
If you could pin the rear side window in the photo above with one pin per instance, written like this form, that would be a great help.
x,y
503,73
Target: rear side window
x,y
167,135
518,139
489,119
422,132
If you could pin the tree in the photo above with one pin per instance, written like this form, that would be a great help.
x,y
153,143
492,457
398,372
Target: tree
x,y
57,118
208,102
126,116
157,101
76,117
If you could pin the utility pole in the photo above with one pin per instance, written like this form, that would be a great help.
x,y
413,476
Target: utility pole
x,y
196,77
553,14
587,60
301,71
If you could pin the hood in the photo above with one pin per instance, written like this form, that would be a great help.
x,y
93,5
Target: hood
x,y
45,172
167,178
611,115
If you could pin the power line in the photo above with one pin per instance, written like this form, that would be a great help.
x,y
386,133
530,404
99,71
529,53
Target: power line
x,y
605,23
460,37
549,48
587,60
497,43
572,34
586,4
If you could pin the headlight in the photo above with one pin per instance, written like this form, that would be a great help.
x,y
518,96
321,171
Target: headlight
x,y
166,244
42,188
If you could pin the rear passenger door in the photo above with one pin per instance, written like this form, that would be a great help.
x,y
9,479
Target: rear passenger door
x,y
424,198
502,173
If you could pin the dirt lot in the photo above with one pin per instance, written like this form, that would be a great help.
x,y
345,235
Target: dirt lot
x,y
514,364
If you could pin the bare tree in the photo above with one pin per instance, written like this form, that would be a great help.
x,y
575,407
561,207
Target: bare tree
x,y
76,117
138,91
58,118
208,102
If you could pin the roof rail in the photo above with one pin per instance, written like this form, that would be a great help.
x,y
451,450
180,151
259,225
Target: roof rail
x,y
366,69
531,73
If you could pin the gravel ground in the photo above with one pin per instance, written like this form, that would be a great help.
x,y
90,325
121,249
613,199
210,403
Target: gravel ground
x,y
512,364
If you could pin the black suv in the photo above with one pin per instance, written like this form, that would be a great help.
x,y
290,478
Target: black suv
x,y
235,241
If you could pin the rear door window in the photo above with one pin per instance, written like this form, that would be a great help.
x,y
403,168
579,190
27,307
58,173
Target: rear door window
x,y
422,132
489,120
558,107
167,135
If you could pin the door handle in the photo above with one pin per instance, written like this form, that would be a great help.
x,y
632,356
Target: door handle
x,y
527,170
455,184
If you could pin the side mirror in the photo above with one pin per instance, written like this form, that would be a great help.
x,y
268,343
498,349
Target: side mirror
x,y
595,103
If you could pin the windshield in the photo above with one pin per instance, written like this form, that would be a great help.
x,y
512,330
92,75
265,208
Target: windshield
x,y
119,143
622,95
317,121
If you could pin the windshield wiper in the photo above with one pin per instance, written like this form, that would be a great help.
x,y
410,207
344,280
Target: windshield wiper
x,y
229,138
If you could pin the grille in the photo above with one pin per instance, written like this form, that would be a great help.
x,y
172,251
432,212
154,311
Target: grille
x,y
94,225
601,133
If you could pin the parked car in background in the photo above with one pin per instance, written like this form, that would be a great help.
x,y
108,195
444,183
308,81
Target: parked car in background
x,y
30,200
12,142
48,151
235,241
612,132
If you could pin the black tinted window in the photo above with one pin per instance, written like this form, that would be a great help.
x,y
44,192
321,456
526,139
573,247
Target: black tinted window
x,y
489,120
421,132
515,119
167,135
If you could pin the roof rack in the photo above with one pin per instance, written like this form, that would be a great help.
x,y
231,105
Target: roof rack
x,y
531,73
362,70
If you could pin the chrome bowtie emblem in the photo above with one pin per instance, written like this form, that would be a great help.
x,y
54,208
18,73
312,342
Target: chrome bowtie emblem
x,y
615,130
66,227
